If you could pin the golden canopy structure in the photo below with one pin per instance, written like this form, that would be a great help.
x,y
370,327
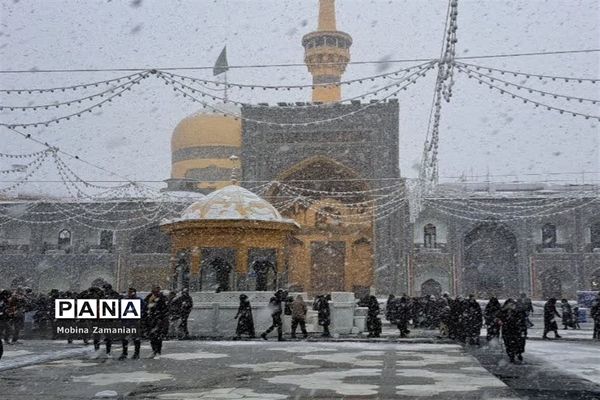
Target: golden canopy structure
x,y
230,240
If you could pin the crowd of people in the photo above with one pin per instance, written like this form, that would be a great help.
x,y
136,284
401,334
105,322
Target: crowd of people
x,y
166,316
163,316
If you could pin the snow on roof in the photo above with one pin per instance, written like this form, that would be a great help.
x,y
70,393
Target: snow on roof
x,y
232,202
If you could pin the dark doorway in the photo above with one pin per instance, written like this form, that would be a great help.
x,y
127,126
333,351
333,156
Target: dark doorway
x,y
490,263
431,287
327,266
265,274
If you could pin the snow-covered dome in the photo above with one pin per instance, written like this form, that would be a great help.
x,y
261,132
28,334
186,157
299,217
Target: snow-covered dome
x,y
232,202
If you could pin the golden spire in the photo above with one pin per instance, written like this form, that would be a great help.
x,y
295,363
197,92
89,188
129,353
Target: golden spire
x,y
326,54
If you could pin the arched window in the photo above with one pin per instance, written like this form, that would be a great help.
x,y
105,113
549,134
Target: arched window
x,y
549,236
429,236
595,235
64,239
106,239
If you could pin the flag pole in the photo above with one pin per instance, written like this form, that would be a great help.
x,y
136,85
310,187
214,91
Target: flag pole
x,y
225,91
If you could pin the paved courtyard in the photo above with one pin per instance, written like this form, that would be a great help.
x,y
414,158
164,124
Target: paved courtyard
x,y
281,370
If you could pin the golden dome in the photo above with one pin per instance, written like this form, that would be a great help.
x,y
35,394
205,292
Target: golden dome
x,y
201,147
208,129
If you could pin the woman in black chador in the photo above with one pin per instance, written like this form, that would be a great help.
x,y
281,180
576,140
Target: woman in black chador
x,y
373,321
492,310
550,324
514,329
245,325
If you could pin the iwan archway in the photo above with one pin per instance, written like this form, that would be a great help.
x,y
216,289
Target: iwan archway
x,y
333,251
490,261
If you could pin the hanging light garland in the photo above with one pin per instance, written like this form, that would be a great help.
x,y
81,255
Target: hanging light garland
x,y
293,124
529,89
80,100
530,75
79,113
228,85
526,100
421,70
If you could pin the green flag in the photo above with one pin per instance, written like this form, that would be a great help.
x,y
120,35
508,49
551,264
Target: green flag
x,y
221,64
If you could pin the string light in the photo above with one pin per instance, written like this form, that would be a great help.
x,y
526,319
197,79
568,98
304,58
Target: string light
x,y
527,100
72,87
420,72
295,124
531,90
69,102
363,79
531,75
78,113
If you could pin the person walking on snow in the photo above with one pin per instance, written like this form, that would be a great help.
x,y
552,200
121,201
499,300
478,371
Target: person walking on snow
x,y
321,305
157,320
550,324
245,323
492,310
514,330
299,311
275,305
135,337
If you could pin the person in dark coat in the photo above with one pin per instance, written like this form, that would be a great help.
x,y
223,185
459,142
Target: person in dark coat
x,y
454,318
4,326
373,321
400,314
17,306
157,320
245,323
389,312
182,305
575,318
567,313
492,310
4,320
107,292
321,305
136,337
526,305
473,320
550,313
275,305
514,330
595,314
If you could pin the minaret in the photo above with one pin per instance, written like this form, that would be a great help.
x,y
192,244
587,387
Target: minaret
x,y
326,54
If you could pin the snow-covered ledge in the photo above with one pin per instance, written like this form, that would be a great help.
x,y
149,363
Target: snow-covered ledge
x,y
213,313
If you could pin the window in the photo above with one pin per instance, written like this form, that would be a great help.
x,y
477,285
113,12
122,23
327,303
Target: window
x,y
429,236
64,239
106,240
549,236
595,235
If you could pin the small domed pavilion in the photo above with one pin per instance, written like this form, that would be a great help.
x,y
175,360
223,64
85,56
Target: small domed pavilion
x,y
230,240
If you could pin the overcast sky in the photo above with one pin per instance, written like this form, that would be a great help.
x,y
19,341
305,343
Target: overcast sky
x,y
481,130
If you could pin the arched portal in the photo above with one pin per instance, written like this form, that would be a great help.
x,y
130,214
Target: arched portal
x,y
335,242
490,261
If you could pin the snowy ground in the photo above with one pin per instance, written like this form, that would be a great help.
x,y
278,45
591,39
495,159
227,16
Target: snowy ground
x,y
261,370
579,359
